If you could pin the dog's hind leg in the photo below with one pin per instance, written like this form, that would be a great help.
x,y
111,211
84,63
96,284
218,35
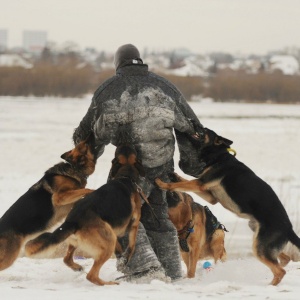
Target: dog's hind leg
x,y
93,275
100,244
284,259
10,246
217,246
268,256
68,259
276,269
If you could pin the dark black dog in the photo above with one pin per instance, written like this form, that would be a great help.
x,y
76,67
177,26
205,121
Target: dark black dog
x,y
47,202
226,180
96,221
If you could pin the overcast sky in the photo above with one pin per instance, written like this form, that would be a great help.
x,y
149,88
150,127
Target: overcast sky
x,y
245,26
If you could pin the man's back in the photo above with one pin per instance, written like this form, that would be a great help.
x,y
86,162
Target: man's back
x,y
148,102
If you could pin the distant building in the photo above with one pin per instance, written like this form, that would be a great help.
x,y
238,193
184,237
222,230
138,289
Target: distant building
x,y
34,41
3,40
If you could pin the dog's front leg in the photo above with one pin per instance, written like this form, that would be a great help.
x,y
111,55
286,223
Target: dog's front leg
x,y
182,186
207,196
66,197
176,178
132,238
133,229
194,186
122,256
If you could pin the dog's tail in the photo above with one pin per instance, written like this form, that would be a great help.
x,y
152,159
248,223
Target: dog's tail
x,y
46,243
294,239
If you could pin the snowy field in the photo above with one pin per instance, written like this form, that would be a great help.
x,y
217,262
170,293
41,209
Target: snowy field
x,y
34,132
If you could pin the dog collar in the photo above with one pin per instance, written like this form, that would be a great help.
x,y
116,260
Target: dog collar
x,y
187,230
230,150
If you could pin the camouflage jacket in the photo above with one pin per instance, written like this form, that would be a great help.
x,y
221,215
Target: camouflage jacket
x,y
151,104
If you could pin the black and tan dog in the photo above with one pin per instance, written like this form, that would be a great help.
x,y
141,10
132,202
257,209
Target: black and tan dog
x,y
47,202
226,180
95,222
200,234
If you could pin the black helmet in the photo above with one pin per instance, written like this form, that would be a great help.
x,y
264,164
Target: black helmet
x,y
126,55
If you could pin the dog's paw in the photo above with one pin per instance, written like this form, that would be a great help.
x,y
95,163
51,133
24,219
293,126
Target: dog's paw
x,y
160,183
76,267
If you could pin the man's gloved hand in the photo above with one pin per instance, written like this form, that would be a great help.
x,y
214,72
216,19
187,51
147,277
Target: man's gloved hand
x,y
189,147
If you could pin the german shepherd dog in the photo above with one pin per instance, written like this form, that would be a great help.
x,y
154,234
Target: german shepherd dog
x,y
47,202
200,234
237,188
96,221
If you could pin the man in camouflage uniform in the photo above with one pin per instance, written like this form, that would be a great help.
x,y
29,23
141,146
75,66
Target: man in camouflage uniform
x,y
152,107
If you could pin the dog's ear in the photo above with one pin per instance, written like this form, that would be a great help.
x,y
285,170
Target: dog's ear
x,y
219,140
66,156
90,142
115,167
140,168
212,138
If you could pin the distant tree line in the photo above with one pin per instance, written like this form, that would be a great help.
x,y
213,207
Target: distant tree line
x,y
68,79
228,86
45,81
261,87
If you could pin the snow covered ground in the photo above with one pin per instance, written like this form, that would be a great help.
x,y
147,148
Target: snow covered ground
x,y
34,132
